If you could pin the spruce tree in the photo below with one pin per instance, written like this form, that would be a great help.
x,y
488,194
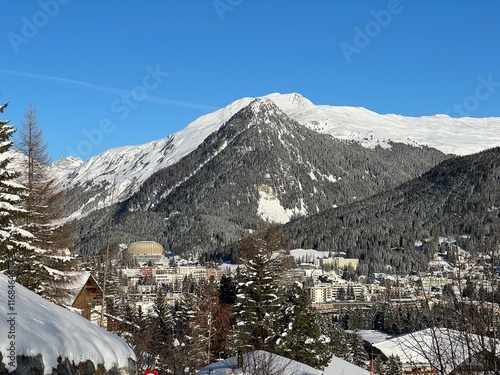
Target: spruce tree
x,y
259,294
356,350
161,340
338,339
393,366
16,253
301,337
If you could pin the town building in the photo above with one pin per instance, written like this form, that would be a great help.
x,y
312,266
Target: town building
x,y
146,251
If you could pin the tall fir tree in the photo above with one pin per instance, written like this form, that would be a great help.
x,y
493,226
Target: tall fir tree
x,y
338,339
16,253
259,294
301,338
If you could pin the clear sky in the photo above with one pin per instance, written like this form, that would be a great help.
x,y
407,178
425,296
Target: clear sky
x,y
104,74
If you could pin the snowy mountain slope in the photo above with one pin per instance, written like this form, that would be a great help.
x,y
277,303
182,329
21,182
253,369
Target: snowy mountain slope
x,y
117,173
121,171
458,136
38,326
259,167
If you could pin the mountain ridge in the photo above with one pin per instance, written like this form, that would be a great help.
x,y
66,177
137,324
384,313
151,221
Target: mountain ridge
x,y
122,170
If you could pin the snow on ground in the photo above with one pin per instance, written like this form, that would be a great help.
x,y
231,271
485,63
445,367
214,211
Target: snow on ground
x,y
298,254
39,326
270,208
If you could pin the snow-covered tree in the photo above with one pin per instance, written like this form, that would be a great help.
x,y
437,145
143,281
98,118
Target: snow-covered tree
x,y
393,366
16,253
338,339
301,337
44,204
258,299
356,352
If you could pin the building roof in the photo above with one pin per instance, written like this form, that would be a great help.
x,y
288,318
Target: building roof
x,y
440,348
69,290
145,248
256,362
46,329
373,336
340,366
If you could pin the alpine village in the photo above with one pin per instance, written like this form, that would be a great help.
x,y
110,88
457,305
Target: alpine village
x,y
267,237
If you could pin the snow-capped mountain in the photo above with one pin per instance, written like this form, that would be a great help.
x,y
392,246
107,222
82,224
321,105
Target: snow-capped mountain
x,y
116,174
458,136
260,166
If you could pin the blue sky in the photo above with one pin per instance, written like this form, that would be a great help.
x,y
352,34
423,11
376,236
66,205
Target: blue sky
x,y
105,74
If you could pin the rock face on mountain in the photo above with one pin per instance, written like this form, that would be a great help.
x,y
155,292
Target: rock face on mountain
x,y
258,167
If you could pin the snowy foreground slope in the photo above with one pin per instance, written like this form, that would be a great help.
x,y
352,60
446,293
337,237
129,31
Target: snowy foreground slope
x,y
123,170
41,327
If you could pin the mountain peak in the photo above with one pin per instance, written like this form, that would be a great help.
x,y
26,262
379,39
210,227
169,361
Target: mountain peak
x,y
289,101
264,105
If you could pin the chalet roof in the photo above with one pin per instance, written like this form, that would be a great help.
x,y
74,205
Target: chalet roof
x,y
255,361
420,348
341,366
71,290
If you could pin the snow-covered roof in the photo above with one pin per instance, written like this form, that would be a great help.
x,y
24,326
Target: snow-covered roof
x,y
421,348
373,336
42,327
340,366
258,360
77,280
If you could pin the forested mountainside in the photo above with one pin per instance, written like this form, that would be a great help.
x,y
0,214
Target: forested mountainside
x,y
114,175
460,197
259,162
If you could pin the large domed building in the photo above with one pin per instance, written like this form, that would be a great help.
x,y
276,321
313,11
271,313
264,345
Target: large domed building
x,y
146,251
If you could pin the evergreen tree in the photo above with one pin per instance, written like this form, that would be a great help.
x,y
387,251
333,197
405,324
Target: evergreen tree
x,y
16,253
227,290
44,204
258,300
338,339
356,350
393,366
193,331
301,337
379,366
